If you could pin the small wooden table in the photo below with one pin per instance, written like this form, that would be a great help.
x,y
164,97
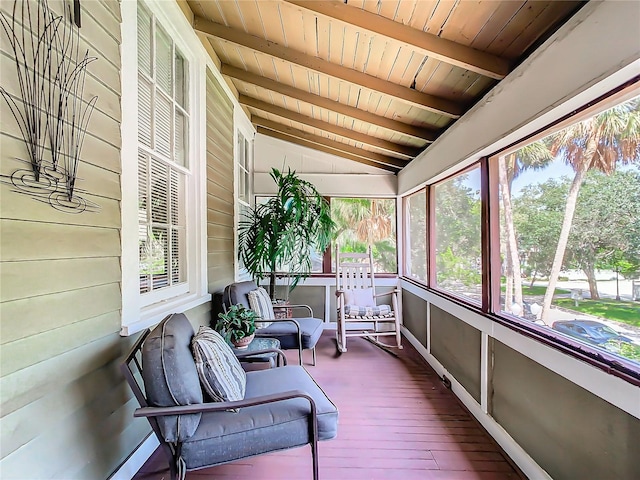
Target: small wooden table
x,y
260,343
282,310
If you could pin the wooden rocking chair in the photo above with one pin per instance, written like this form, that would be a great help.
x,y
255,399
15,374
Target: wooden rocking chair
x,y
359,315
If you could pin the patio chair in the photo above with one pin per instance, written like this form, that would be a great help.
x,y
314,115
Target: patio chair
x,y
282,407
358,313
299,333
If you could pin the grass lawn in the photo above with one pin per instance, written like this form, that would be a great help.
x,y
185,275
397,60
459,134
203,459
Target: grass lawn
x,y
626,312
536,290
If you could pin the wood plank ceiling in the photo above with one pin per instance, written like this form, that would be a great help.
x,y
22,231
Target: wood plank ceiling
x,y
372,81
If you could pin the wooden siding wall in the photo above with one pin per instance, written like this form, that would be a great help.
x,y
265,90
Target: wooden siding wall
x,y
66,413
220,200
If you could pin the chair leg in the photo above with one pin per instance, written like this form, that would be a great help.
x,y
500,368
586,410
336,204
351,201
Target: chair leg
x,y
313,353
398,333
314,456
341,335
300,354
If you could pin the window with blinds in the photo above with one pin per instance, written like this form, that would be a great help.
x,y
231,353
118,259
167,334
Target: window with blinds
x,y
163,126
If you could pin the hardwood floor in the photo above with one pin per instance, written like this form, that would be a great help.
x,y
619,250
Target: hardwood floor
x,y
397,421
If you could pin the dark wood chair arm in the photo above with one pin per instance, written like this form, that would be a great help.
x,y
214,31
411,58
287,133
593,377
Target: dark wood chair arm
x,y
222,406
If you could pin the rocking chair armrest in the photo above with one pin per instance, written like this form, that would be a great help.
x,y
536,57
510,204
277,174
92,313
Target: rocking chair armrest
x,y
392,292
277,351
222,406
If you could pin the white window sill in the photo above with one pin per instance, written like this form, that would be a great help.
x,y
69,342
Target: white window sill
x,y
153,314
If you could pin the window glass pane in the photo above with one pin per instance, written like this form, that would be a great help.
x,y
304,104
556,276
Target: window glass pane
x,y
315,256
180,143
159,195
164,61
144,40
457,235
417,222
570,231
181,80
163,132
162,125
242,186
144,111
367,221
143,191
158,259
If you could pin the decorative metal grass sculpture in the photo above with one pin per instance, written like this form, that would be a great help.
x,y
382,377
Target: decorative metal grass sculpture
x,y
50,112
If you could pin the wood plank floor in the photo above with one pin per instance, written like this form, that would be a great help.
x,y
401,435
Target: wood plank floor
x,y
397,421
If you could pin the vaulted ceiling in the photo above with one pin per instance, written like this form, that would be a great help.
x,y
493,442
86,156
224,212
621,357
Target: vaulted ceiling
x,y
372,81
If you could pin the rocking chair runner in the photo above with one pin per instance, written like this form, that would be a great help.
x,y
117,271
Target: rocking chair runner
x,y
359,315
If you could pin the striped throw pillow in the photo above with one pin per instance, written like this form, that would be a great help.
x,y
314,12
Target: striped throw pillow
x,y
359,311
260,303
220,372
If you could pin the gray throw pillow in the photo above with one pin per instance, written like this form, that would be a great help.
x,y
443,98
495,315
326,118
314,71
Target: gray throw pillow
x,y
220,372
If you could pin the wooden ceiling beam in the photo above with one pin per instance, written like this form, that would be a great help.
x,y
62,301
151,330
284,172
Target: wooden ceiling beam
x,y
328,104
407,151
355,152
321,148
432,103
426,43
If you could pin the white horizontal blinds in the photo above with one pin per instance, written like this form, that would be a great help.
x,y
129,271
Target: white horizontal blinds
x,y
145,75
162,135
181,117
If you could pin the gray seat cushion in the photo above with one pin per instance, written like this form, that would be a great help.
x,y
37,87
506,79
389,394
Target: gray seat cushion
x,y
225,436
286,332
311,328
170,376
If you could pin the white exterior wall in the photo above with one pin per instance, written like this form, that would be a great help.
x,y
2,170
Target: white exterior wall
x,y
332,175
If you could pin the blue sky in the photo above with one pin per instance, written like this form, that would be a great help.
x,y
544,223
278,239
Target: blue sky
x,y
555,169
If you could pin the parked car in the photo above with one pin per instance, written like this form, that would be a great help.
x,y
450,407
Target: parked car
x,y
590,331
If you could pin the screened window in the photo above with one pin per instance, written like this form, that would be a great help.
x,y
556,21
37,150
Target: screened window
x,y
416,208
163,127
570,230
457,237
367,221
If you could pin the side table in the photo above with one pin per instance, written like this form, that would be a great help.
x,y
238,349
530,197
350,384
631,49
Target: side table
x,y
260,343
281,309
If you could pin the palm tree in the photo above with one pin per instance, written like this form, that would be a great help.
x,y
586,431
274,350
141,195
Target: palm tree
x,y
365,221
600,142
285,231
534,156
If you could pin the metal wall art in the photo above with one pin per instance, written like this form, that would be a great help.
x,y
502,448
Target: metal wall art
x,y
50,111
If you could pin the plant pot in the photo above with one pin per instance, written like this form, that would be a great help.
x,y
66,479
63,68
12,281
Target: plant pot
x,y
243,342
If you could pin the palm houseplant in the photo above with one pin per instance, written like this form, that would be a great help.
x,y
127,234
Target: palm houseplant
x,y
237,325
282,234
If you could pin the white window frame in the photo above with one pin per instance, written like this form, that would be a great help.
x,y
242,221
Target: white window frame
x,y
244,128
140,311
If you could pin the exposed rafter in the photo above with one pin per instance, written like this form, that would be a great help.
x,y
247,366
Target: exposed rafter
x,y
322,148
334,106
422,100
425,43
378,160
329,127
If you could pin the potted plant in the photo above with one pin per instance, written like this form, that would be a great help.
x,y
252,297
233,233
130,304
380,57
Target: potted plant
x,y
281,234
237,325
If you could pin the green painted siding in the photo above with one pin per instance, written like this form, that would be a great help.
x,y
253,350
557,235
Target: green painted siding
x,y
220,201
66,413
